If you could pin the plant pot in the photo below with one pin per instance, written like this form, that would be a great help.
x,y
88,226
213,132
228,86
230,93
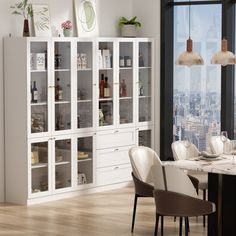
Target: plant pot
x,y
128,31
67,32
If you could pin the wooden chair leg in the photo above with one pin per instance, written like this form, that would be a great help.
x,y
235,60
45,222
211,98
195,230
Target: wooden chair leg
x,y
180,226
162,225
186,226
156,225
134,212
204,198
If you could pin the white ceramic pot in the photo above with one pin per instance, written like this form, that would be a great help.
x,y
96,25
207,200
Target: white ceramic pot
x,y
128,31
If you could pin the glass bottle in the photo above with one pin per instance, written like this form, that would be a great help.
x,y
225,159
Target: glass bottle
x,y
58,91
101,86
107,92
34,93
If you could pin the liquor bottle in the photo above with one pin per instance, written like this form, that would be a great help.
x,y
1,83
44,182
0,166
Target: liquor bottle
x,y
107,93
123,89
101,86
34,93
31,91
58,91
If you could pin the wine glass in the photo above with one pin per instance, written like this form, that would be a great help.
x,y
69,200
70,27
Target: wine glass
x,y
187,144
224,137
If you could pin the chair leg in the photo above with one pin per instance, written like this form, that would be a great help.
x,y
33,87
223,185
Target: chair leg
x,y
180,226
186,226
204,198
156,225
134,212
162,225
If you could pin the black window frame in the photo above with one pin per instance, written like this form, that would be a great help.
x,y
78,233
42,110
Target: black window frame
x,y
167,66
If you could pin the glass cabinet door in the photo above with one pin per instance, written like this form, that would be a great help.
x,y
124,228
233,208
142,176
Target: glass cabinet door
x,y
145,138
106,85
84,160
39,167
125,82
145,79
62,82
84,84
39,87
62,163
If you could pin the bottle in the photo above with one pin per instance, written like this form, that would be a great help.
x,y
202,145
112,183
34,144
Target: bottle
x,y
101,86
123,90
31,91
34,93
58,91
107,93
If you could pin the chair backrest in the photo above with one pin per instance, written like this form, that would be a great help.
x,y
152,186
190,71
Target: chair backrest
x,y
172,179
142,159
216,144
181,152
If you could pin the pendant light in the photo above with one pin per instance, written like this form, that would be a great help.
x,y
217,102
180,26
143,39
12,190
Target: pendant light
x,y
189,58
223,57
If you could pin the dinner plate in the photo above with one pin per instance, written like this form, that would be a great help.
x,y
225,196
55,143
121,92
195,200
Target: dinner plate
x,y
207,158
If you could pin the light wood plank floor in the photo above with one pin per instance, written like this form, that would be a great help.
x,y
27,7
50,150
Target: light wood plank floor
x,y
102,214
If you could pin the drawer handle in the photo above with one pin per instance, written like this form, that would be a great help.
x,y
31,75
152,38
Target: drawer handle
x,y
116,168
117,131
116,150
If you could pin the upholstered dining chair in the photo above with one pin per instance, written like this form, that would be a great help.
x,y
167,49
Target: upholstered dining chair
x,y
174,199
142,159
181,152
216,144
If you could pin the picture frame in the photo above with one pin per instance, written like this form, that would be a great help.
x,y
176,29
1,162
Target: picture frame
x,y
41,20
86,18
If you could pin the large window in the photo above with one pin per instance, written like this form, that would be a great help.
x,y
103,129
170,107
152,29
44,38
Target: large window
x,y
200,98
197,89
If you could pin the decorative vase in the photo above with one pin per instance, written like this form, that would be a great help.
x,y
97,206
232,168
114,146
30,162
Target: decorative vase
x,y
67,32
26,28
129,31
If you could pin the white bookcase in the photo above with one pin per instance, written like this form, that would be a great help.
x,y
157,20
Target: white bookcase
x,y
63,133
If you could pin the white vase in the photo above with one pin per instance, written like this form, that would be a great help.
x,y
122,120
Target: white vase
x,y
128,31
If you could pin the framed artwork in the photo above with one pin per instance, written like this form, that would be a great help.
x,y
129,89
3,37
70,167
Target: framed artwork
x,y
41,19
86,18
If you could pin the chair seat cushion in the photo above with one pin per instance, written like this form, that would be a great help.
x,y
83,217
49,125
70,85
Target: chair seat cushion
x,y
202,177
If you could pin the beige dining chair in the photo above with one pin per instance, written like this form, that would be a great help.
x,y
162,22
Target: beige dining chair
x,y
181,152
142,159
175,199
217,146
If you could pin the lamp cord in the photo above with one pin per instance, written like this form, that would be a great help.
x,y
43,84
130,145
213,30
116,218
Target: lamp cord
x,y
189,18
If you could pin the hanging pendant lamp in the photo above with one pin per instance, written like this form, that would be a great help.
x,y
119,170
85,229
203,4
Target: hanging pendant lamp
x,y
189,58
223,57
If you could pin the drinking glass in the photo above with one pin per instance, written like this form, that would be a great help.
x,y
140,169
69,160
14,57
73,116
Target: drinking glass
x,y
187,144
233,151
224,137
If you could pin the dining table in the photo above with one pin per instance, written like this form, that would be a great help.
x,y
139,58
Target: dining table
x,y
221,189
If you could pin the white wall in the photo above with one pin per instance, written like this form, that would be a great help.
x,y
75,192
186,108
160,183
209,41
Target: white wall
x,y
109,12
148,12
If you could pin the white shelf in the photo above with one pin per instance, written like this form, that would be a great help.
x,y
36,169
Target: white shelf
x,y
144,96
83,101
106,69
105,99
39,104
62,102
62,70
85,69
62,163
39,165
145,67
84,160
126,68
125,98
38,71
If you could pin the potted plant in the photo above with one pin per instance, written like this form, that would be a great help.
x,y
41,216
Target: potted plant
x,y
67,28
129,27
25,9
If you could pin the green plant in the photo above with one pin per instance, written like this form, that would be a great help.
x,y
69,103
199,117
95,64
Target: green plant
x,y
23,8
132,21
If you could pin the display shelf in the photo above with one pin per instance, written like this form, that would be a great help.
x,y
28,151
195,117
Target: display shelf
x,y
62,102
105,99
84,160
62,163
145,67
39,165
104,69
85,69
62,70
126,68
125,98
85,100
38,71
144,96
39,104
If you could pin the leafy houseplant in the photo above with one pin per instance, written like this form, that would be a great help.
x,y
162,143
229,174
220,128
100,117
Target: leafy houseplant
x,y
23,8
129,27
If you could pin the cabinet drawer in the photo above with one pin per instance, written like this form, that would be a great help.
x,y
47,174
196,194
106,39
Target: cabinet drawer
x,y
112,175
113,156
115,138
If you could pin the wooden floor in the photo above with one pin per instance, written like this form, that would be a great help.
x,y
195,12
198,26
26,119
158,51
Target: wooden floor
x,y
102,214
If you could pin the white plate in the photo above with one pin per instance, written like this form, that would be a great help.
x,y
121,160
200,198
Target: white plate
x,y
209,158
